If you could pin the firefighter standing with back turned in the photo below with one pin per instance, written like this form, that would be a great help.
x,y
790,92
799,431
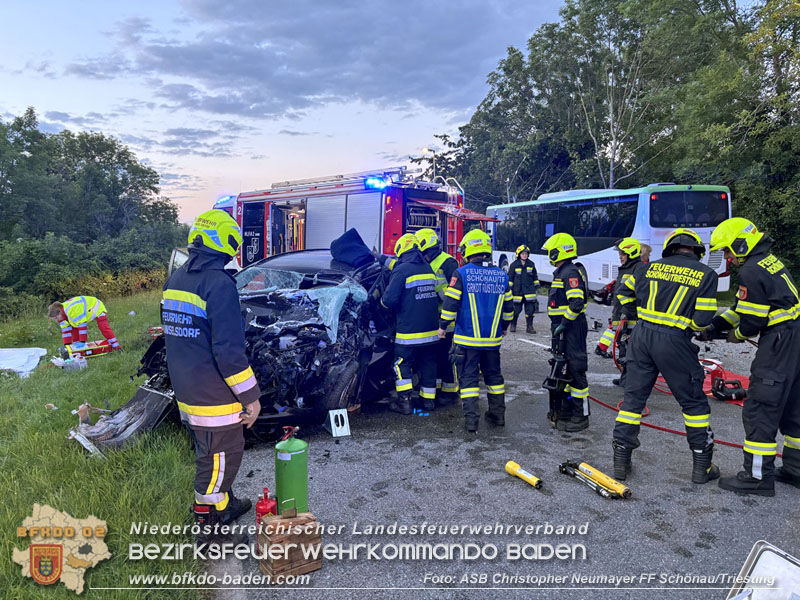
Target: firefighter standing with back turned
x,y
767,303
524,283
479,300
566,307
443,266
676,296
411,293
214,385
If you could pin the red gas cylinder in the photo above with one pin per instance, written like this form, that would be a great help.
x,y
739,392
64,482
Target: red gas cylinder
x,y
271,504
261,509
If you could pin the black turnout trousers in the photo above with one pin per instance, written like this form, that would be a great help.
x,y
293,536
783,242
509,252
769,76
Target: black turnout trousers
x,y
670,351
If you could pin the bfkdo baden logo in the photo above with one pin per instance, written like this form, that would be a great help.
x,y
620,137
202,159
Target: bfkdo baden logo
x,y
45,562
62,547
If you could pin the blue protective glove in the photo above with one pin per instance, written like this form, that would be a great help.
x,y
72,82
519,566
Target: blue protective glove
x,y
79,346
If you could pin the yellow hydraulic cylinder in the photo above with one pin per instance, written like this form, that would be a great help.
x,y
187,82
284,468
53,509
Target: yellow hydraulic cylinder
x,y
514,469
604,480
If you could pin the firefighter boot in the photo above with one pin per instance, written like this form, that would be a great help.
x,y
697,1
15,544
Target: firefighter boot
x,y
513,327
235,509
207,518
790,471
402,404
742,483
622,461
471,414
703,470
529,328
575,424
496,415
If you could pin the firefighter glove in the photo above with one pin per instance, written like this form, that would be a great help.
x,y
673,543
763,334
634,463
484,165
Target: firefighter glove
x,y
732,337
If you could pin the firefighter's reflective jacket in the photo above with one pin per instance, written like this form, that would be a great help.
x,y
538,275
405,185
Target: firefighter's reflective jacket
x,y
624,303
82,309
411,293
204,334
567,298
479,300
677,291
767,295
524,280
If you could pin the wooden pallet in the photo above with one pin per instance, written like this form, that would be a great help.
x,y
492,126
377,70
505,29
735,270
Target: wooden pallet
x,y
279,531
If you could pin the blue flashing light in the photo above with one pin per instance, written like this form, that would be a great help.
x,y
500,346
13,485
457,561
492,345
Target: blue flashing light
x,y
375,183
223,199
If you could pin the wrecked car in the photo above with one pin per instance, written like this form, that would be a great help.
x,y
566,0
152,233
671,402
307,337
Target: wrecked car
x,y
315,337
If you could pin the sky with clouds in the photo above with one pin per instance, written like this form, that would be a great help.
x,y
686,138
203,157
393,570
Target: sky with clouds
x,y
223,97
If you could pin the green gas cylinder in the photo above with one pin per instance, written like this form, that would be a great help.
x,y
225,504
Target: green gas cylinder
x,y
291,472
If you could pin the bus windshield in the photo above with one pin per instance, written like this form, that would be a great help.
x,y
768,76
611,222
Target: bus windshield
x,y
669,210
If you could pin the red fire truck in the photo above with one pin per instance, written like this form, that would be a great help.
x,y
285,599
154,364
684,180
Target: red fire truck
x,y
381,205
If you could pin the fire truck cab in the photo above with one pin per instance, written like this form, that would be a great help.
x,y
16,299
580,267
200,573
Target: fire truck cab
x,y
381,205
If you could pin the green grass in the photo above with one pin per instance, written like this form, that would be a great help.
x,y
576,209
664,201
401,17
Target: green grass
x,y
150,481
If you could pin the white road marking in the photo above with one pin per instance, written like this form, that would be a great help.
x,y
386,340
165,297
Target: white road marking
x,y
546,347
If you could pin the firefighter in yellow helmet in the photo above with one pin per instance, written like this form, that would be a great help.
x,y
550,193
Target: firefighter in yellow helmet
x,y
675,297
411,295
623,307
214,385
767,305
566,307
479,301
443,266
524,284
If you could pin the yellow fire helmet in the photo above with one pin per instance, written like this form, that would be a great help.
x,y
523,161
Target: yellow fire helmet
x,y
683,237
523,248
216,230
629,246
427,238
560,246
405,243
737,234
475,242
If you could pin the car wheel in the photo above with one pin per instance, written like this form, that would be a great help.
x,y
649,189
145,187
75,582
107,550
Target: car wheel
x,y
343,390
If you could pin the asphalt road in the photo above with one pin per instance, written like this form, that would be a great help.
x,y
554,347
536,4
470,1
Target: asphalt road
x,y
428,469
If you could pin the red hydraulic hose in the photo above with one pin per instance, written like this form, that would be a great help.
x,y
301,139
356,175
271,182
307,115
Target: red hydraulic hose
x,y
667,429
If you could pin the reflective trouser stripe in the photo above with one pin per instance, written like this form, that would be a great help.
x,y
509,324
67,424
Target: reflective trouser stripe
x,y
470,392
697,420
427,392
791,442
497,389
219,500
217,474
631,418
761,448
450,387
438,384
402,385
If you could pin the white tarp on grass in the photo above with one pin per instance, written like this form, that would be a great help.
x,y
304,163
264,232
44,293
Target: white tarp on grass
x,y
20,360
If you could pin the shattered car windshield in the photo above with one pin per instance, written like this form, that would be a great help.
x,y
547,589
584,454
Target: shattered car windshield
x,y
259,280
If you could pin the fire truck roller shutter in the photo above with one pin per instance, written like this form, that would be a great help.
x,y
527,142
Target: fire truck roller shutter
x,y
324,221
364,214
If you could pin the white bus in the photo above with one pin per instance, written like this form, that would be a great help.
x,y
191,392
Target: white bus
x,y
598,218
